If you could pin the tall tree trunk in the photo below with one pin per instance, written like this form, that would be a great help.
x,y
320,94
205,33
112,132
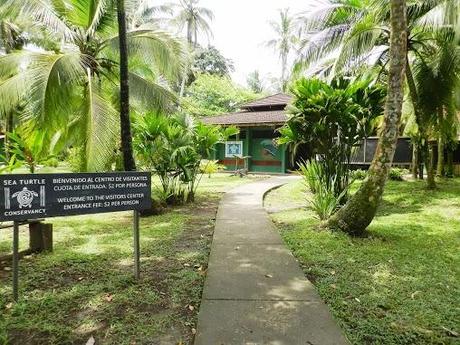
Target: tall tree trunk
x,y
429,163
360,210
125,121
283,72
440,163
423,148
450,162
415,160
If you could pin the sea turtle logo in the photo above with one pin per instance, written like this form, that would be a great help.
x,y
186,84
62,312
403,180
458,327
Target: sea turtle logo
x,y
25,197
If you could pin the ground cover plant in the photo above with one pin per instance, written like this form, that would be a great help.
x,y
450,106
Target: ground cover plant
x,y
398,283
85,288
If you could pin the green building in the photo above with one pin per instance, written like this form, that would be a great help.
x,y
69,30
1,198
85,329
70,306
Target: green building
x,y
258,122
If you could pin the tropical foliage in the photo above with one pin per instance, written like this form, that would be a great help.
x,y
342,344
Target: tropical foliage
x,y
211,61
174,149
211,94
73,92
332,119
285,41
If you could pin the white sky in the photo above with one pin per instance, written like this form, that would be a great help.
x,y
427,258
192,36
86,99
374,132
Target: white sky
x,y
240,28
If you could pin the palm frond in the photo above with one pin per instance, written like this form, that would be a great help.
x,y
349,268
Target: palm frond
x,y
150,95
101,129
156,48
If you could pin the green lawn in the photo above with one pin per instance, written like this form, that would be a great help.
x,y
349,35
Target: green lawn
x,y
400,284
85,288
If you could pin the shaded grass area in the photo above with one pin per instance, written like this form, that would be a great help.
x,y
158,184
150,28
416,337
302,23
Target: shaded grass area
x,y
85,288
400,284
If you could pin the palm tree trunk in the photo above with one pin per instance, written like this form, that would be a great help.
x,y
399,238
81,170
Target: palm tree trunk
x,y
125,122
428,161
283,72
440,164
450,162
360,210
423,148
415,160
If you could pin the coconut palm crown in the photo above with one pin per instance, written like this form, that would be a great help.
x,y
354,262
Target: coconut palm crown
x,y
72,94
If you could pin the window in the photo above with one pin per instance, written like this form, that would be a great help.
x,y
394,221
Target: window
x,y
233,148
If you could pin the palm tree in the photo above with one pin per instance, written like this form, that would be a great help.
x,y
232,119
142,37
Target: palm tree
x,y
360,210
357,33
284,42
191,17
436,77
74,92
195,20
125,121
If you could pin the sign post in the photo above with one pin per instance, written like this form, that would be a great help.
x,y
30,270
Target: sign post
x,y
32,196
136,245
15,261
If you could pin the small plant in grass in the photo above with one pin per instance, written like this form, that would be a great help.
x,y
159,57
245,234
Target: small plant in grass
x,y
210,167
324,201
397,174
358,174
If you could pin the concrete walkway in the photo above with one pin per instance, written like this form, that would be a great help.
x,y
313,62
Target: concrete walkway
x,y
255,291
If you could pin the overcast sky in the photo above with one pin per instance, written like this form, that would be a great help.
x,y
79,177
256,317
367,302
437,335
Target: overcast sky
x,y
240,28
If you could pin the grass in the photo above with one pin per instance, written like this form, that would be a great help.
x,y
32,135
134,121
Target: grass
x,y
85,288
398,285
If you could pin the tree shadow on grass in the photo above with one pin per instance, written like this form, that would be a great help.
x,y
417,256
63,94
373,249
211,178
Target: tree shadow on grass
x,y
412,197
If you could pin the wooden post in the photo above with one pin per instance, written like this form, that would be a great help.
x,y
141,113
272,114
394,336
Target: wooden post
x,y
40,237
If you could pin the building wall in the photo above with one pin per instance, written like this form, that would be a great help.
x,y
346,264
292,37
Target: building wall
x,y
258,144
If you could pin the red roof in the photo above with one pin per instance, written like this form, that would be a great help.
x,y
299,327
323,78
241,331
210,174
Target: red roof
x,y
266,111
280,99
275,117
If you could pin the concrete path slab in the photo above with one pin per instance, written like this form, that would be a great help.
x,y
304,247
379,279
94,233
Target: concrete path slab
x,y
255,291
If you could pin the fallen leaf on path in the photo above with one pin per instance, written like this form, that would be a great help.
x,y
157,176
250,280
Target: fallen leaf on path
x,y
268,276
91,341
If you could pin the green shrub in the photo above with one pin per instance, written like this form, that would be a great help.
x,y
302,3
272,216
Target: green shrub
x,y
397,174
324,200
51,162
75,159
358,174
312,173
210,167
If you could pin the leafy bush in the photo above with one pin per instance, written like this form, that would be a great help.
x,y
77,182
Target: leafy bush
x,y
75,159
312,173
172,147
210,167
331,119
51,162
397,174
358,174
324,201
